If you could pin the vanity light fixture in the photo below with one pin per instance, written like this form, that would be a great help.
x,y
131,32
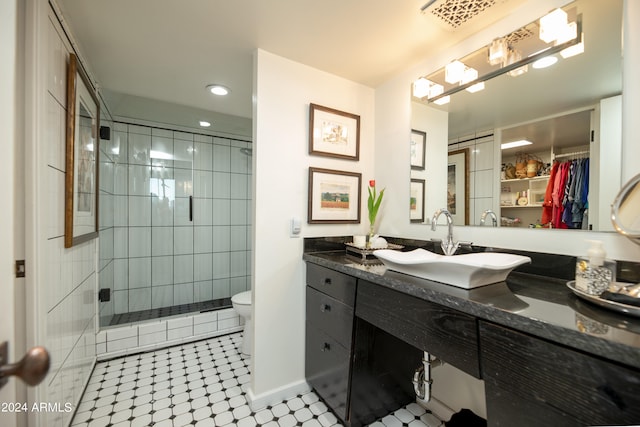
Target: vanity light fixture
x,y
421,87
545,62
515,63
471,74
571,32
553,25
218,89
498,51
443,100
426,88
514,56
513,144
454,72
435,89
204,124
574,50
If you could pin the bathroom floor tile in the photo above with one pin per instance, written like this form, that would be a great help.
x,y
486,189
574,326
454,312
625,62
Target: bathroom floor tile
x,y
202,384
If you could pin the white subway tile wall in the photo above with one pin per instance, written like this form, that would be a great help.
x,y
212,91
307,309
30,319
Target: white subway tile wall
x,y
158,255
128,339
67,277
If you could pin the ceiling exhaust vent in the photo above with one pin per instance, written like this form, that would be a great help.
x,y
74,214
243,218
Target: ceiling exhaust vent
x,y
452,14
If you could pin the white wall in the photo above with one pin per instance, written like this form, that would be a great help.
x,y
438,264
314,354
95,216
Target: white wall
x,y
282,91
436,123
394,123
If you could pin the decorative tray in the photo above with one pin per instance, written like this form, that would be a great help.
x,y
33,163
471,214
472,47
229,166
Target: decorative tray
x,y
364,255
612,305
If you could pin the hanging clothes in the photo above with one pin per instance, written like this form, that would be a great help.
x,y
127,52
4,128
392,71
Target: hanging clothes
x,y
566,196
558,196
547,204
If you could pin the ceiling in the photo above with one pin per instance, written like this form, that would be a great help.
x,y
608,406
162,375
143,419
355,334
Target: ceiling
x,y
169,50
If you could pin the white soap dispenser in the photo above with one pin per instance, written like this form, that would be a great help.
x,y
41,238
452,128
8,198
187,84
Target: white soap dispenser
x,y
595,273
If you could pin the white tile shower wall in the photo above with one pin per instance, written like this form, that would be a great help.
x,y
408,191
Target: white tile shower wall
x,y
122,340
161,257
67,277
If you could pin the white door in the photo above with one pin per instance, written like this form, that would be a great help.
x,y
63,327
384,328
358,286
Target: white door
x,y
8,40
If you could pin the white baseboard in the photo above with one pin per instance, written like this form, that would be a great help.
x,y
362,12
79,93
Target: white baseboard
x,y
257,402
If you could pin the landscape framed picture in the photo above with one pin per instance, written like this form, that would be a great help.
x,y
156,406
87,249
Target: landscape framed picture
x,y
416,202
333,133
334,197
418,148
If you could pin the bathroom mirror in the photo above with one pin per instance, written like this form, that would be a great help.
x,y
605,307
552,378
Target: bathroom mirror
x,y
625,211
556,107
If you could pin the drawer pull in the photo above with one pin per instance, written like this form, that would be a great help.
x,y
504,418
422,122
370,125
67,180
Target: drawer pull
x,y
327,281
325,347
325,307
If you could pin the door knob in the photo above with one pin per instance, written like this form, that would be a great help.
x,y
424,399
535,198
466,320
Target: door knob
x,y
31,369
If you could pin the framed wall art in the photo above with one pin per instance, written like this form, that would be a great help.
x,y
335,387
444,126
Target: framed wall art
x,y
81,176
418,148
333,133
458,186
416,202
334,197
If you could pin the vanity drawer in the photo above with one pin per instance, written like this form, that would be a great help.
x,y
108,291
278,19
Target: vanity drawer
x,y
340,286
330,315
447,334
531,382
327,369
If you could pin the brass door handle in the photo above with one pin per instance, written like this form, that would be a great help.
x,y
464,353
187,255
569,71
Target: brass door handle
x,y
31,369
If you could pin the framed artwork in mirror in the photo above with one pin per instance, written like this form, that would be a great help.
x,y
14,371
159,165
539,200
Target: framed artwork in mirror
x,y
81,176
334,197
458,186
333,133
416,202
418,148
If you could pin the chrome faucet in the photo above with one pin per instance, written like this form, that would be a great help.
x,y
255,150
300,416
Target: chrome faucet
x,y
491,213
448,246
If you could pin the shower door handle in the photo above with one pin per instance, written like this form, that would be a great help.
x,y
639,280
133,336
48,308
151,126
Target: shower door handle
x,y
191,208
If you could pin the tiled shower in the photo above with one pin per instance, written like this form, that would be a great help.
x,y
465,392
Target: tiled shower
x,y
175,223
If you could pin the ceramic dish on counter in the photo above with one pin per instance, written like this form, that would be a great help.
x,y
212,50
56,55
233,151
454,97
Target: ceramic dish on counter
x,y
602,302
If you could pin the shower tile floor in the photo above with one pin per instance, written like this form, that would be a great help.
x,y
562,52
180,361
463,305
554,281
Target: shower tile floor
x,y
202,384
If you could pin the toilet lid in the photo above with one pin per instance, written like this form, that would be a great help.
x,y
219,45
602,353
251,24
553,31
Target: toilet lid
x,y
243,298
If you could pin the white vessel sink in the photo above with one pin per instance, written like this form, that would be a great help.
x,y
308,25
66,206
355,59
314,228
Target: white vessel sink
x,y
464,271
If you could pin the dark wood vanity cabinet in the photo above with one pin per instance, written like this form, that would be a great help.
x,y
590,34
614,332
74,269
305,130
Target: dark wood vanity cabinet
x,y
533,382
329,335
448,334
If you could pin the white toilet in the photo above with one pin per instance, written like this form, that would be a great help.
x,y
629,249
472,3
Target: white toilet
x,y
242,305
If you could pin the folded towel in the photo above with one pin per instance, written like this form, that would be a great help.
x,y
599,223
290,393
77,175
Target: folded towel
x,y
621,298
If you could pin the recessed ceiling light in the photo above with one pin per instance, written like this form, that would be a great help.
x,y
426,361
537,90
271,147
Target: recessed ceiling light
x,y
204,124
545,62
514,144
218,90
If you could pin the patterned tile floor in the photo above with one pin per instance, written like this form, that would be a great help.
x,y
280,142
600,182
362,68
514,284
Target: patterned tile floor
x,y
201,384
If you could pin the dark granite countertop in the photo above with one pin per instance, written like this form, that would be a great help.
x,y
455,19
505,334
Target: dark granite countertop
x,y
537,305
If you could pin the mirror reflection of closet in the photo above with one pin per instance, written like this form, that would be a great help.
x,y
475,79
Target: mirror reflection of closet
x,y
532,175
590,82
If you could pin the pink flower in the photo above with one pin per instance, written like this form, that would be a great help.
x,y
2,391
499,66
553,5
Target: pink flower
x,y
372,183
